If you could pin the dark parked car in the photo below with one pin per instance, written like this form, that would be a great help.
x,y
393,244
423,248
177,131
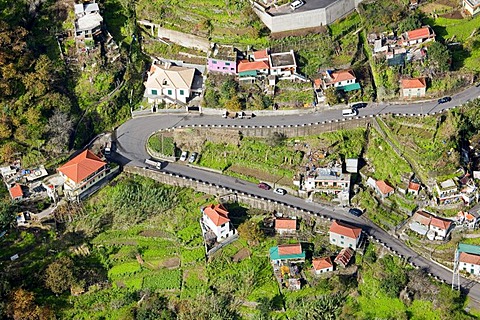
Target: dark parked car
x,y
360,105
356,212
444,100
264,186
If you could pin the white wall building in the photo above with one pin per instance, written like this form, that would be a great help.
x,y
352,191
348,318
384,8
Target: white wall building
x,y
344,235
215,218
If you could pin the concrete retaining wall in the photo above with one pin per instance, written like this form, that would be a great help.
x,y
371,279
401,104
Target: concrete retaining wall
x,y
219,191
306,19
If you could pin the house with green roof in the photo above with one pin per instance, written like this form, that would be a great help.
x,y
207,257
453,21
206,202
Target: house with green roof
x,y
287,253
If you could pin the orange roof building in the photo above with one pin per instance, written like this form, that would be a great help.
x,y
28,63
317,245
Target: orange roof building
x,y
82,172
415,83
260,55
215,221
422,33
440,223
287,252
246,66
285,225
217,214
321,265
383,188
82,166
343,75
16,192
345,235
469,258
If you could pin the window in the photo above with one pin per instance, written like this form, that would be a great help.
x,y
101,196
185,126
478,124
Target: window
x,y
341,242
214,61
154,92
182,92
472,271
227,63
232,69
350,245
342,237
169,92
333,240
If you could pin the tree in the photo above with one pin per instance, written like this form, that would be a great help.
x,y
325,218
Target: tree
x,y
411,22
438,58
59,128
7,216
325,307
276,139
332,96
233,104
59,275
250,231
154,308
22,306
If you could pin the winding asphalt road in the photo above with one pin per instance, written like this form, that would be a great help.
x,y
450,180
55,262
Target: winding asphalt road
x,y
132,137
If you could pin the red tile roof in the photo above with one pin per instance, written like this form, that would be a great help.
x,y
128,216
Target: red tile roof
x,y
16,191
345,229
287,249
383,187
421,33
322,263
413,186
343,75
469,258
286,224
82,166
217,213
246,65
416,83
344,256
440,223
259,55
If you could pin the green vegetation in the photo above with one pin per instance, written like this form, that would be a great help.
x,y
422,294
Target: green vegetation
x,y
157,266
162,144
276,158
223,22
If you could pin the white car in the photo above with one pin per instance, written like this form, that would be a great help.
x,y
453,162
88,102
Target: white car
x,y
280,191
296,4
184,156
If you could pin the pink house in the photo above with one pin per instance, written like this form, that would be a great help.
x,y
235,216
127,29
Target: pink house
x,y
223,59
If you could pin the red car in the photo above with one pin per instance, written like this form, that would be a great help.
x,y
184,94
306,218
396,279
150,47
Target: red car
x,y
264,186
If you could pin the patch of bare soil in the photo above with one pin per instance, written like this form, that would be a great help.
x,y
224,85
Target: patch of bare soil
x,y
453,15
193,139
171,263
154,233
260,175
298,33
241,255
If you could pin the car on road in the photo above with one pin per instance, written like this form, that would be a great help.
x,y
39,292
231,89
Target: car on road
x,y
264,186
184,156
356,212
349,112
296,4
360,105
444,100
280,191
193,157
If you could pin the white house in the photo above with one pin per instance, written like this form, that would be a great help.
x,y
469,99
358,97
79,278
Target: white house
x,y
285,226
88,21
413,88
282,64
169,83
322,265
471,6
447,191
342,79
383,189
344,235
215,218
470,263
441,227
